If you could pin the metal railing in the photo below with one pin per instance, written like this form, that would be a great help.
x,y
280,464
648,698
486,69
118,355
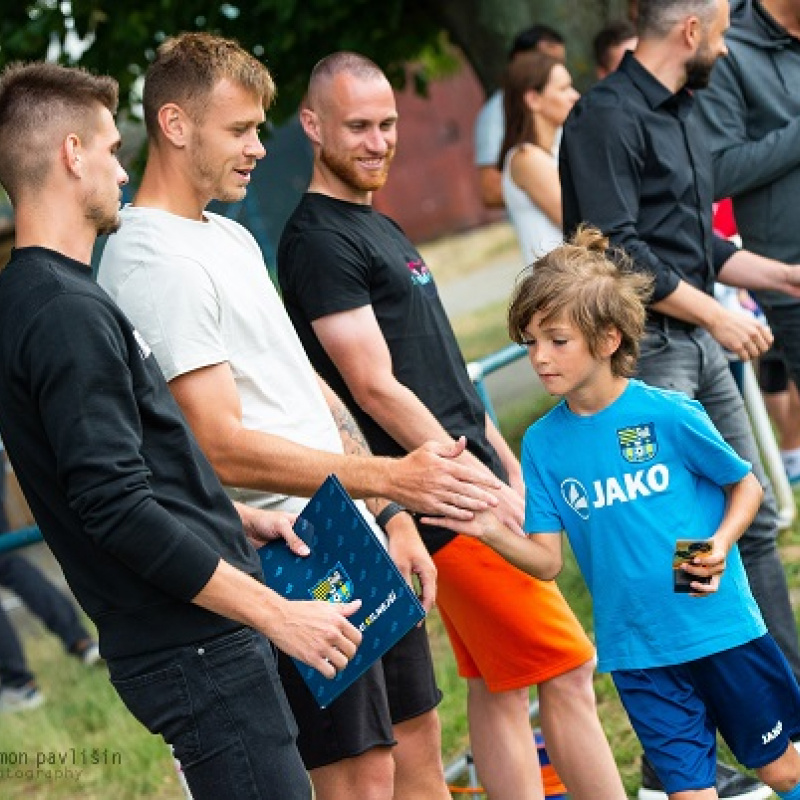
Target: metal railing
x,y
479,370
19,538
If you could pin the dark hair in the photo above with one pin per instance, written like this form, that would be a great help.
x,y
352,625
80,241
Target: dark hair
x,y
187,68
596,288
529,71
613,35
657,17
41,104
529,39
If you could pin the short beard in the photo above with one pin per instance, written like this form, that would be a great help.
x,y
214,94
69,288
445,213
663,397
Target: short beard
x,y
698,71
110,227
210,178
345,171
104,223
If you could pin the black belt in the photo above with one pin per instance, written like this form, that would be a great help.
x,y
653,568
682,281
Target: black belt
x,y
667,324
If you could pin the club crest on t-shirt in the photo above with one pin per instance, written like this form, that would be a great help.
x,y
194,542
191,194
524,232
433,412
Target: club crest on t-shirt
x,y
638,443
335,587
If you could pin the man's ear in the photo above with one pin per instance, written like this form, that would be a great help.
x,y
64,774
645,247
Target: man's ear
x,y
692,32
310,122
174,123
71,154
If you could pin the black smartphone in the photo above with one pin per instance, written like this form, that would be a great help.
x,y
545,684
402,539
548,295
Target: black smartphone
x,y
686,550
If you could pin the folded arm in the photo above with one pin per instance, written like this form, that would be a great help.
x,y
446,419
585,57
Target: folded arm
x,y
736,331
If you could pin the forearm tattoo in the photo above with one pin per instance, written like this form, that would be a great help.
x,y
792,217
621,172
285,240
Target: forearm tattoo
x,y
352,438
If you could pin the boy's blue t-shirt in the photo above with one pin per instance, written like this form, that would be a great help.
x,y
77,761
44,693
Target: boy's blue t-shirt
x,y
625,484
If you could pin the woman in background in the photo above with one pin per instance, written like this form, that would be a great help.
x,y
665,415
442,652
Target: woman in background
x,y
538,95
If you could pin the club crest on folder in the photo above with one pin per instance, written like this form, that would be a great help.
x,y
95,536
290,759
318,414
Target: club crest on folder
x,y
335,587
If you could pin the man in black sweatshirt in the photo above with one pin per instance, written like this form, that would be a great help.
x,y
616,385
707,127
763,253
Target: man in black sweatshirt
x,y
149,542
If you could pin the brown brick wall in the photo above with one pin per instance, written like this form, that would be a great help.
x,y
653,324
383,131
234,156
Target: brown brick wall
x,y
433,185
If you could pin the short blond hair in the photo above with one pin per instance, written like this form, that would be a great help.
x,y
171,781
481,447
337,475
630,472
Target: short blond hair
x,y
188,67
596,288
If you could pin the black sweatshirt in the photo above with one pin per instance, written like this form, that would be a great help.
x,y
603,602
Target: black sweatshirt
x,y
123,495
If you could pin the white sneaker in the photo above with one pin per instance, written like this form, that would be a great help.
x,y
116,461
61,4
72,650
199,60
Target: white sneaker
x,y
731,785
22,698
87,651
91,655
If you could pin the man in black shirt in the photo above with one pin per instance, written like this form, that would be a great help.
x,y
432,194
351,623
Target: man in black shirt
x,y
150,544
634,162
368,313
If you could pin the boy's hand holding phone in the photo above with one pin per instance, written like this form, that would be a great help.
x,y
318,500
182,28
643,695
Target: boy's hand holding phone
x,y
697,565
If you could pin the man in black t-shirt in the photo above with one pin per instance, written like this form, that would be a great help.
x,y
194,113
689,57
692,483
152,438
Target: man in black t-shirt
x,y
368,313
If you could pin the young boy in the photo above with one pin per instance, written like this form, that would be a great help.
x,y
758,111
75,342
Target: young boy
x,y
627,470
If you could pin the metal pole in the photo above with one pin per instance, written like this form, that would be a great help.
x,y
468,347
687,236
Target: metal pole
x,y
773,464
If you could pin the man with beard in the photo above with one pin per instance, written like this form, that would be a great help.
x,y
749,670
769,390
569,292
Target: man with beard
x,y
196,286
150,544
368,312
634,163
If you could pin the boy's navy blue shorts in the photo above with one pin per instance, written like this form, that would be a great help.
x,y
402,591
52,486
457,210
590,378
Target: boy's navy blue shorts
x,y
747,693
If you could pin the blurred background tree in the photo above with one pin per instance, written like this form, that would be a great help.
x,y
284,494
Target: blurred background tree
x,y
119,37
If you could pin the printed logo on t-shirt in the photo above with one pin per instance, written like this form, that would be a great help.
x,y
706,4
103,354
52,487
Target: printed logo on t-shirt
x,y
576,497
421,277
638,443
335,587
628,488
420,274
144,348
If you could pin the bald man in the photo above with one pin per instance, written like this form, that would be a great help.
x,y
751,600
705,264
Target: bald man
x,y
368,312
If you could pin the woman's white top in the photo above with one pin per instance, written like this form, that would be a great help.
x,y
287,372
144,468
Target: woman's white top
x,y
536,232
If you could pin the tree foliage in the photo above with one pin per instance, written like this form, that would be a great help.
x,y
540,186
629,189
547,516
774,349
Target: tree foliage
x,y
119,37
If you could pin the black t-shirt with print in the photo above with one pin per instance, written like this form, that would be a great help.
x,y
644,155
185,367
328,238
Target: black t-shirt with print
x,y
337,256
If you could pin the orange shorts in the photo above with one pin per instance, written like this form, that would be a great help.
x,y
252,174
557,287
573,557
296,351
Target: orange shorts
x,y
506,627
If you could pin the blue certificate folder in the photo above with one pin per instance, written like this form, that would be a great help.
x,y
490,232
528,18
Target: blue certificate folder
x,y
347,562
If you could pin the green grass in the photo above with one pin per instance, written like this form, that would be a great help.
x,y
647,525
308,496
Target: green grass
x,y
82,743
452,257
482,332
